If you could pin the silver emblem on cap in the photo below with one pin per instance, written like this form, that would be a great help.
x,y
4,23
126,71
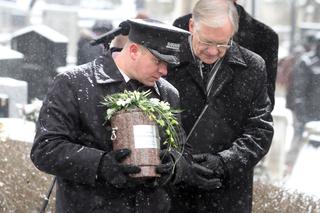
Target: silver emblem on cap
x,y
173,46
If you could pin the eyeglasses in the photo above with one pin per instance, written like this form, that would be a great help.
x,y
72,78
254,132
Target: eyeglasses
x,y
220,47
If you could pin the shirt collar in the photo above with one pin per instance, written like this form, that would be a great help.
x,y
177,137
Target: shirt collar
x,y
124,75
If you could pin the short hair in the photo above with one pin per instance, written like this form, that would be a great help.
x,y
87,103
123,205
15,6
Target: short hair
x,y
213,12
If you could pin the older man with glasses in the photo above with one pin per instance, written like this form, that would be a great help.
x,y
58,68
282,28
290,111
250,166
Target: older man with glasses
x,y
255,36
226,110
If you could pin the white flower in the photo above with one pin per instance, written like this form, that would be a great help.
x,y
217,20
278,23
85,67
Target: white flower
x,y
164,105
155,101
123,102
110,112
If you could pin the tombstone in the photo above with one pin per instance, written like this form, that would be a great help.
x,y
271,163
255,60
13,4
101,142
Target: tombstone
x,y
4,105
16,93
54,16
10,63
44,51
5,18
275,159
12,17
19,19
64,2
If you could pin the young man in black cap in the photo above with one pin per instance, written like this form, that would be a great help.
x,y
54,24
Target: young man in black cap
x,y
72,142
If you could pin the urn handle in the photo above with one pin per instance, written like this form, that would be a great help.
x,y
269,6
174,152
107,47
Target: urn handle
x,y
113,133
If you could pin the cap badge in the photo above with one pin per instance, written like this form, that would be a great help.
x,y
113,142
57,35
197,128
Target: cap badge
x,y
173,46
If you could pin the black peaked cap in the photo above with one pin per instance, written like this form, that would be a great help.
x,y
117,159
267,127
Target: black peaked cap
x,y
162,40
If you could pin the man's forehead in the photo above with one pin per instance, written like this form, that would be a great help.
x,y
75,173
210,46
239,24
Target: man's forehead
x,y
206,31
214,22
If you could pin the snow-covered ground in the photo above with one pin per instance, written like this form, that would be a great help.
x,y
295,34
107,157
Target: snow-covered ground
x,y
305,176
17,129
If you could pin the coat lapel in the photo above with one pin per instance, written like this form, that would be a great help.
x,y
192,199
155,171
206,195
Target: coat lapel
x,y
223,76
195,73
191,64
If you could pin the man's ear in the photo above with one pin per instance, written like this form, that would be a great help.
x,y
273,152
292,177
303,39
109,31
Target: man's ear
x,y
134,50
191,25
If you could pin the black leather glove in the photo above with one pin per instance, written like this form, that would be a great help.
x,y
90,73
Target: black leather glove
x,y
113,172
195,175
165,169
212,162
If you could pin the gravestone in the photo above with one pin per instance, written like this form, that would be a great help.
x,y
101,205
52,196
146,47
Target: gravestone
x,y
12,17
64,2
10,63
4,105
44,51
5,18
16,93
274,161
54,16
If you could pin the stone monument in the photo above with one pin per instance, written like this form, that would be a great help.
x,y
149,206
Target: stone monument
x,y
44,51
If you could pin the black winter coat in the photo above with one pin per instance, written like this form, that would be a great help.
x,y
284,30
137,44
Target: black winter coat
x,y
256,37
237,126
306,89
71,138
86,52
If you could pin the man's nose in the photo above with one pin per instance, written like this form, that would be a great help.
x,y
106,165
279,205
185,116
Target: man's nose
x,y
212,50
163,69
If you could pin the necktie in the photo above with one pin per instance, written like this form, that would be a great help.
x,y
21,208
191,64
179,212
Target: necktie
x,y
206,69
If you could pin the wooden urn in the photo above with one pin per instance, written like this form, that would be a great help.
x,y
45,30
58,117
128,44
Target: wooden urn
x,y
133,129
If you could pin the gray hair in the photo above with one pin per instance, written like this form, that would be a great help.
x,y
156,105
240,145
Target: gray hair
x,y
214,12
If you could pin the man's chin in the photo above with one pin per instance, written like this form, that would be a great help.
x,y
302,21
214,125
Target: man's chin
x,y
150,83
210,60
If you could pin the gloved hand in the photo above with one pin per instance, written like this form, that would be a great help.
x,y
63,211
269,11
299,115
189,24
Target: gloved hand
x,y
113,172
195,175
212,162
165,169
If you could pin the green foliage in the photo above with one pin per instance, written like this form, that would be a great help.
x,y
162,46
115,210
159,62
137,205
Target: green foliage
x,y
156,110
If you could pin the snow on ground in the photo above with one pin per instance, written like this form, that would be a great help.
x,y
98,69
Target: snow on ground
x,y
305,176
17,129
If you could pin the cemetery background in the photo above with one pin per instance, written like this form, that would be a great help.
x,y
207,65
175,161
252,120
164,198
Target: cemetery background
x,y
36,43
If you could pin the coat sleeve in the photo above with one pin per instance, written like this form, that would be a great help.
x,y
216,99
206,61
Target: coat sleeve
x,y
254,142
301,75
270,55
56,149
